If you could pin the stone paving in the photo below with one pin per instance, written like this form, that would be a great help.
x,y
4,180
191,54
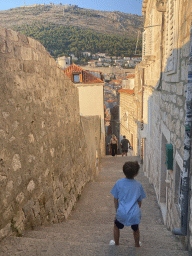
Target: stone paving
x,y
89,228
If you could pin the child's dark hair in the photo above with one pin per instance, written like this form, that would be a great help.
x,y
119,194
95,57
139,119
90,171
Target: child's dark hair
x,y
130,169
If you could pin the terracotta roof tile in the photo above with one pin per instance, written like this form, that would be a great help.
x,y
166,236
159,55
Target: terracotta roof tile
x,y
86,77
110,101
129,91
130,76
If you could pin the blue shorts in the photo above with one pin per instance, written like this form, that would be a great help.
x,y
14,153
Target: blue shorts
x,y
121,226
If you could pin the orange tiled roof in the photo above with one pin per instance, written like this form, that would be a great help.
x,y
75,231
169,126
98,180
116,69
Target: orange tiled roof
x,y
129,91
86,76
130,76
110,101
116,81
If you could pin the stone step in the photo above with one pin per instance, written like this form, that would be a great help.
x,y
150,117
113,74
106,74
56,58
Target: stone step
x,y
152,236
33,247
151,240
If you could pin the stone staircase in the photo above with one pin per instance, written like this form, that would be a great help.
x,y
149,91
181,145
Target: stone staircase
x,y
89,229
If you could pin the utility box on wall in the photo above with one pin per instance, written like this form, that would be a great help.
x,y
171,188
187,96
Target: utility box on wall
x,y
169,156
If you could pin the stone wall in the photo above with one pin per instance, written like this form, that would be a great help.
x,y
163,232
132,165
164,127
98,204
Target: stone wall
x,y
44,159
165,120
128,115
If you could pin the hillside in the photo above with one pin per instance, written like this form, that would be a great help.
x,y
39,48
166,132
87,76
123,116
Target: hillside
x,y
62,40
70,29
121,24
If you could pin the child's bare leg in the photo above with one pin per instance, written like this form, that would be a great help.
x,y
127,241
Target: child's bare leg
x,y
116,234
136,237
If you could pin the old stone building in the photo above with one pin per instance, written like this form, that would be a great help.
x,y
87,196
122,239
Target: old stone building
x,y
128,116
161,79
48,152
91,95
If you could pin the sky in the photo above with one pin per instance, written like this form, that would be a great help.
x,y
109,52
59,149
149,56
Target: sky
x,y
127,6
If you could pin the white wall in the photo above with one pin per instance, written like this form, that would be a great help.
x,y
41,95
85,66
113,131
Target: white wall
x,y
91,101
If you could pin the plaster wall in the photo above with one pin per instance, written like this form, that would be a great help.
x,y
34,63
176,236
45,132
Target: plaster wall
x,y
91,102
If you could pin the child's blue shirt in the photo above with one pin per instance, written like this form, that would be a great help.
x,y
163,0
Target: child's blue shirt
x,y
129,192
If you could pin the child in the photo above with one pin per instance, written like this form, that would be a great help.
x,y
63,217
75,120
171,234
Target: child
x,y
128,194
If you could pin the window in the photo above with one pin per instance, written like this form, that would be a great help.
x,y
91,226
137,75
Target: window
x,y
148,37
170,37
150,31
76,78
144,49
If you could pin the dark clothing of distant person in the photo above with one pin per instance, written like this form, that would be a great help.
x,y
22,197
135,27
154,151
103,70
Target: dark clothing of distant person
x,y
124,145
113,144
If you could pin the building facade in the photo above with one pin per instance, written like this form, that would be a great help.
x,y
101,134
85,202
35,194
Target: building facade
x,y
91,95
128,116
64,62
161,80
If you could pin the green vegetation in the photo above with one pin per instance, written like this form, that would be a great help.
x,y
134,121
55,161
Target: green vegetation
x,y
62,40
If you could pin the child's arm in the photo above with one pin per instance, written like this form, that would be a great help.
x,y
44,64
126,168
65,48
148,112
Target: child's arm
x,y
116,203
139,204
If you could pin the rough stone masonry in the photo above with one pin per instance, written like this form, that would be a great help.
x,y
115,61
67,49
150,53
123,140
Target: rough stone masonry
x,y
44,159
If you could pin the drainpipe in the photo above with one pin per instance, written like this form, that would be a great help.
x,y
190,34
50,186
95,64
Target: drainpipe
x,y
185,175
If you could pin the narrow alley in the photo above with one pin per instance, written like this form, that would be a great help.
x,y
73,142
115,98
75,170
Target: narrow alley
x,y
89,228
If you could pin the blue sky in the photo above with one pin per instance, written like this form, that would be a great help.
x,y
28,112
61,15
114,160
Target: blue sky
x,y
127,6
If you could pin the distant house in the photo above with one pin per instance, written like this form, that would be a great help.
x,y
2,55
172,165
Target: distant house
x,y
92,63
99,64
129,82
86,54
101,59
126,58
107,59
91,96
131,63
119,62
64,62
102,55
74,58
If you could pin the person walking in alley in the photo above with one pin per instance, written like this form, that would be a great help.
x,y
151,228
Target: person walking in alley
x,y
128,194
114,145
124,145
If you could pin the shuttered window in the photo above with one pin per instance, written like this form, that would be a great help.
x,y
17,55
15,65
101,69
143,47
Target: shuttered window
x,y
144,49
170,37
150,34
148,37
